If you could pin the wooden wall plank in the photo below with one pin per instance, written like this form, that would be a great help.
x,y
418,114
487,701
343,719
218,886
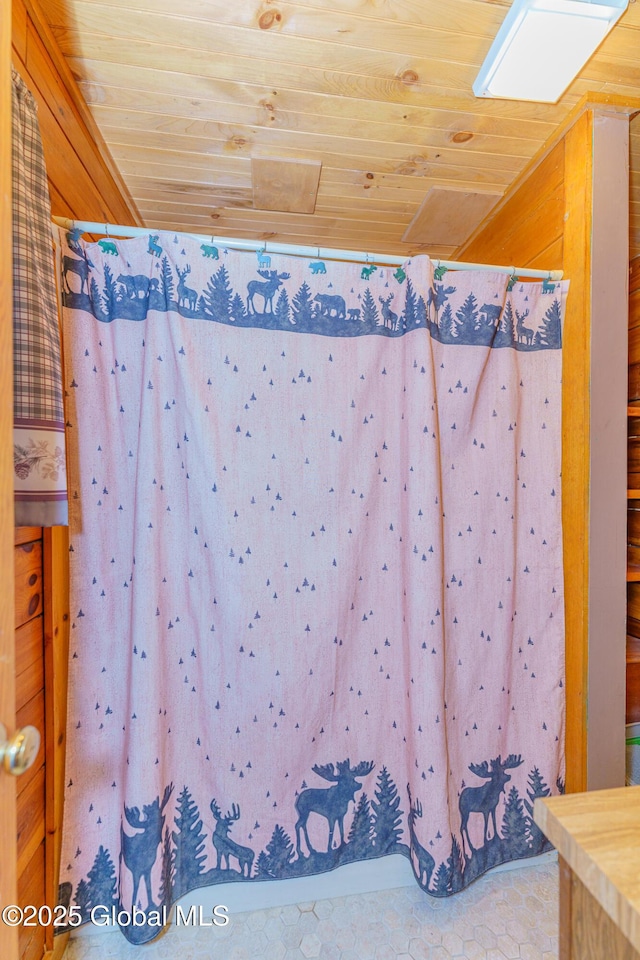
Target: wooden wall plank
x,y
30,681
28,578
550,258
31,713
632,707
46,73
56,639
633,601
29,644
32,939
531,221
19,29
30,819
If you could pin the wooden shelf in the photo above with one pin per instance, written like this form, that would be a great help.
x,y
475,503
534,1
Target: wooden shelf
x,y
633,410
633,494
633,573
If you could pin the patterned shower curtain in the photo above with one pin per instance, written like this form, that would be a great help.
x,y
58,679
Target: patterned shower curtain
x,y
317,587
40,476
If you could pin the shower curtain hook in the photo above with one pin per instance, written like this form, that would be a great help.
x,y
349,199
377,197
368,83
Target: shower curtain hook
x,y
106,229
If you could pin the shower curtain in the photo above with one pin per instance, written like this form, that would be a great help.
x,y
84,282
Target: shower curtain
x,y
39,464
317,587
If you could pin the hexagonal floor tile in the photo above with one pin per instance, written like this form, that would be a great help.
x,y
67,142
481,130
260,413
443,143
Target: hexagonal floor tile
x,y
310,945
510,915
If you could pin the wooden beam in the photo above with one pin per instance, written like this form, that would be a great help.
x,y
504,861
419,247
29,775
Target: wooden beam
x,y
575,441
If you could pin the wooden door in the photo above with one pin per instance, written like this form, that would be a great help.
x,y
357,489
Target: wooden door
x,y
8,857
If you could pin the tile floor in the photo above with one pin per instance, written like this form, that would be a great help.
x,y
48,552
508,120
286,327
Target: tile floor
x,y
507,915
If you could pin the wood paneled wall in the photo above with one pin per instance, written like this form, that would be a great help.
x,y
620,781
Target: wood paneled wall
x,y
633,503
84,184
30,709
83,180
528,230
546,221
8,935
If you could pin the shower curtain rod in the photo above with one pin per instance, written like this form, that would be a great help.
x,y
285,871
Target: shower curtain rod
x,y
320,253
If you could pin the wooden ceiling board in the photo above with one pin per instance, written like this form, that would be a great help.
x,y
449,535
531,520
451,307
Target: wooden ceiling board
x,y
289,186
449,215
326,104
224,139
377,92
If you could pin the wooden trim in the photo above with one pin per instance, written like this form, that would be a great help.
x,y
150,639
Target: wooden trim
x,y
575,440
8,889
56,649
59,946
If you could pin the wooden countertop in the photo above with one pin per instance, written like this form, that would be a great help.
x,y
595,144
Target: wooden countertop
x,y
598,835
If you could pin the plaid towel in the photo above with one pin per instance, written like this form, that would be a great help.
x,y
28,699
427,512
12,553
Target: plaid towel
x,y
38,437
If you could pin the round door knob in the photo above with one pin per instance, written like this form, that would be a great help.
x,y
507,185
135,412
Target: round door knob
x,y
19,752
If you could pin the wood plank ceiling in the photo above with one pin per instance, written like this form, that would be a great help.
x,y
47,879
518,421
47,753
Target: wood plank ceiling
x,y
187,93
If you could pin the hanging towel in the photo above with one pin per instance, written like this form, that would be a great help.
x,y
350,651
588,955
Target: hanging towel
x,y
40,477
